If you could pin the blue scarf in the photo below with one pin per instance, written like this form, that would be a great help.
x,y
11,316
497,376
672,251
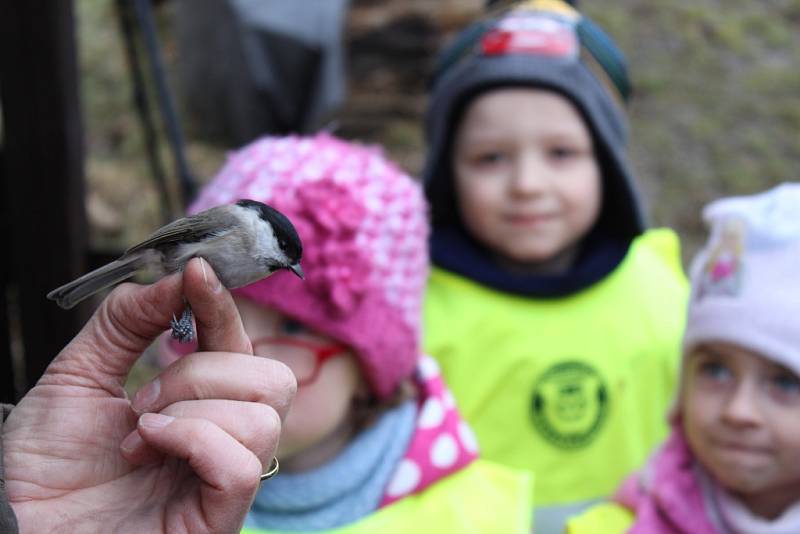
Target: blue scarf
x,y
345,489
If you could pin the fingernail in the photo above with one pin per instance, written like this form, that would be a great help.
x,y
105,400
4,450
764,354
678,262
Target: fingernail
x,y
131,443
212,282
155,421
147,396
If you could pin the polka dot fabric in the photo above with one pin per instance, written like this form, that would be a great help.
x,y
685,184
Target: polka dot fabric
x,y
443,443
363,224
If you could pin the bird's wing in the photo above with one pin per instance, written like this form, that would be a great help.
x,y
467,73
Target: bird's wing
x,y
188,229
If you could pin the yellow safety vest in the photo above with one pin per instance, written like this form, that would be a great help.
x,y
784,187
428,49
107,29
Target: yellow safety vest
x,y
606,518
573,389
481,498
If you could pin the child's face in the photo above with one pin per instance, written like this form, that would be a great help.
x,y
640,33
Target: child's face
x,y
741,415
320,418
527,179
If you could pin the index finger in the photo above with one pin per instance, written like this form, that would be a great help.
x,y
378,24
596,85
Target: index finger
x,y
128,320
219,326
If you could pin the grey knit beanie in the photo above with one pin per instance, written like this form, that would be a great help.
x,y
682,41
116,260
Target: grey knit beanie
x,y
544,44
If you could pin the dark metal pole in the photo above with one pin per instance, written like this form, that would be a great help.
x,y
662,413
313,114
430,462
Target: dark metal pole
x,y
188,185
142,104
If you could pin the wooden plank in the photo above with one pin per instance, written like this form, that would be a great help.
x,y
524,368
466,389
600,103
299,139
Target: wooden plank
x,y
43,189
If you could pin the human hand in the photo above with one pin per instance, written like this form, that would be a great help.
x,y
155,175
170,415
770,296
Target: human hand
x,y
185,456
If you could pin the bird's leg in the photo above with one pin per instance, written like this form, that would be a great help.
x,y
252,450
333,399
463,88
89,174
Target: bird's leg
x,y
183,329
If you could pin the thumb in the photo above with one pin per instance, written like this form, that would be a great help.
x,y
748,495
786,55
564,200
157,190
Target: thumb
x,y
124,325
219,326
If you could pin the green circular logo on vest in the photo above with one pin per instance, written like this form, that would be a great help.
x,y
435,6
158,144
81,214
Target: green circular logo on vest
x,y
569,404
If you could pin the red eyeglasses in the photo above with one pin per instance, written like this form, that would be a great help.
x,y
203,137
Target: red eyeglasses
x,y
305,358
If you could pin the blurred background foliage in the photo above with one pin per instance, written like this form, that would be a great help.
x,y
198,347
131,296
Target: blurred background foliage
x,y
715,110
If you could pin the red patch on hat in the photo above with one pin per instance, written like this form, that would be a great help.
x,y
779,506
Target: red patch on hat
x,y
531,35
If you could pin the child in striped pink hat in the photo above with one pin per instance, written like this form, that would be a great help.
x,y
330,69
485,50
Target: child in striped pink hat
x,y
373,436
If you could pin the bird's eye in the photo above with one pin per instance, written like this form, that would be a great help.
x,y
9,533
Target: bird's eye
x,y
282,244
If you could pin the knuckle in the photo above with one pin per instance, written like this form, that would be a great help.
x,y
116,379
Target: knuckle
x,y
135,316
117,307
277,384
263,428
127,300
245,477
118,312
284,380
199,429
121,291
251,475
270,423
186,378
194,434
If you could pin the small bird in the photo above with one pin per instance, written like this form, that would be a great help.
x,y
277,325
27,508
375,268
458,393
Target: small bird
x,y
243,243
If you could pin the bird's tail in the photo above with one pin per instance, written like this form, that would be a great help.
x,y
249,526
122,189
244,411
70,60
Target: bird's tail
x,y
106,276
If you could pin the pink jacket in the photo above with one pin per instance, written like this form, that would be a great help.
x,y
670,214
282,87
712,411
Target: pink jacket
x,y
665,496
442,444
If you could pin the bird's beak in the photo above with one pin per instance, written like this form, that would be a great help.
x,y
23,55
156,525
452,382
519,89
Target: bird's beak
x,y
296,269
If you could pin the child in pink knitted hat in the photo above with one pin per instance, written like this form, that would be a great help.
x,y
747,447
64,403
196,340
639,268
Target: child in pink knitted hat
x,y
731,464
373,441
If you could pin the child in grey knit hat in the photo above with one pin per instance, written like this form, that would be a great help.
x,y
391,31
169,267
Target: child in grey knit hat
x,y
556,315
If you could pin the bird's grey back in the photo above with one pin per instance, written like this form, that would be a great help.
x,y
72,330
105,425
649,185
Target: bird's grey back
x,y
189,229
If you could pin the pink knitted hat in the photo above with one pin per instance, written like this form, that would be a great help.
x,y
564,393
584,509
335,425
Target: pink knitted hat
x,y
363,223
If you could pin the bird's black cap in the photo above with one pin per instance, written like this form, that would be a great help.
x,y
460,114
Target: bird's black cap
x,y
284,230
